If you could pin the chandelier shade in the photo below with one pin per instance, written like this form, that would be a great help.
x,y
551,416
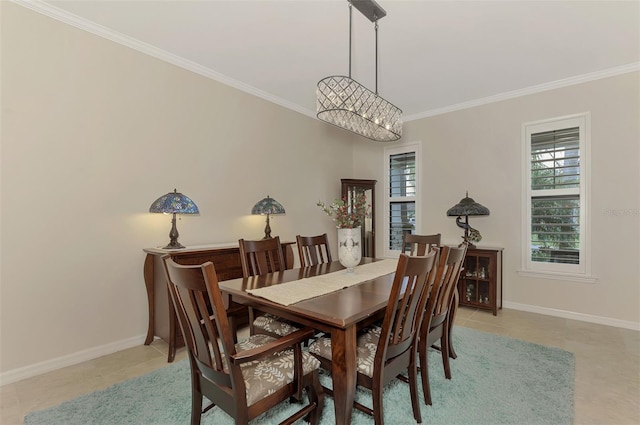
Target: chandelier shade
x,y
344,102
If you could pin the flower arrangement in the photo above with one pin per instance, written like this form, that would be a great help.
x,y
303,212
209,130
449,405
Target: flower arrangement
x,y
345,216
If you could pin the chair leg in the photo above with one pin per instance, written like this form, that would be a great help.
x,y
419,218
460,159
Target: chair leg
x,y
424,371
376,395
444,343
451,317
252,316
413,389
196,405
316,396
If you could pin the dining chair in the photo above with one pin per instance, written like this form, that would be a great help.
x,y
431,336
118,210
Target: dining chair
x,y
313,250
244,379
434,326
385,351
419,245
261,257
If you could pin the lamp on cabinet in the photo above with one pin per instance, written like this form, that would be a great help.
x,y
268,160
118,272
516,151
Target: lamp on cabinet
x,y
465,208
267,206
174,203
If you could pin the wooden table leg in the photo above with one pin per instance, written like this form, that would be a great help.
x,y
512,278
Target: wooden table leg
x,y
148,282
343,372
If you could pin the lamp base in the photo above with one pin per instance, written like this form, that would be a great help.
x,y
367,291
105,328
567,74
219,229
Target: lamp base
x,y
173,245
173,236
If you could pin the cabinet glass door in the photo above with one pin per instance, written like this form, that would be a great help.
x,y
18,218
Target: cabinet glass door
x,y
350,189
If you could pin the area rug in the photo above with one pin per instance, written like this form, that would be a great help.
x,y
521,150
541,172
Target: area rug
x,y
496,380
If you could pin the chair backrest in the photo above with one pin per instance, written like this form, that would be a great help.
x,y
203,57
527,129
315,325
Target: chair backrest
x,y
313,250
406,305
261,257
446,278
419,244
196,295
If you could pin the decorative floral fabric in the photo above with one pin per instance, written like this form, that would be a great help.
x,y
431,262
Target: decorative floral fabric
x,y
269,374
367,344
274,325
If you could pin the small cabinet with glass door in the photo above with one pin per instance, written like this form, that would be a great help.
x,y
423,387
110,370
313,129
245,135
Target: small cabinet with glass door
x,y
480,283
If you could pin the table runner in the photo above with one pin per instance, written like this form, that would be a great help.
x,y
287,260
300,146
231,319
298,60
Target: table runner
x,y
299,290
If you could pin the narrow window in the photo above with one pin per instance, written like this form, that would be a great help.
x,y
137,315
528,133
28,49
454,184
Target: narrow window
x,y
555,224
401,179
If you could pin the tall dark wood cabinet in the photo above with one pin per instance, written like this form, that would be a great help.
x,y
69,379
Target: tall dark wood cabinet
x,y
353,187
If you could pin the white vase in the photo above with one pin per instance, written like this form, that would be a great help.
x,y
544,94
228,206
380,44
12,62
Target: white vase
x,y
349,248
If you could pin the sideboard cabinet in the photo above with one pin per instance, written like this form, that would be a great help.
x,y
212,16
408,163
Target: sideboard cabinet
x,y
480,283
162,317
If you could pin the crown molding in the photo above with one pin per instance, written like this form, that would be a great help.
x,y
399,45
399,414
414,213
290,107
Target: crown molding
x,y
611,72
104,32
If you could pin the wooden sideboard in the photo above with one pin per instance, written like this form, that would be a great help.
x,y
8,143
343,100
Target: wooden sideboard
x,y
162,318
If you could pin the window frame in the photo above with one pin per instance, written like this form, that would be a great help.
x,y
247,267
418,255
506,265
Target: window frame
x,y
388,152
582,270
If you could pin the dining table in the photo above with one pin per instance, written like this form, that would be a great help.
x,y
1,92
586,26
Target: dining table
x,y
341,312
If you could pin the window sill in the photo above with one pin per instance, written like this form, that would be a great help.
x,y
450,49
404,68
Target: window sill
x,y
558,276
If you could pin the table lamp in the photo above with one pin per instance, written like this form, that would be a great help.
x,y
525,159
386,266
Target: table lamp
x,y
174,203
466,207
267,206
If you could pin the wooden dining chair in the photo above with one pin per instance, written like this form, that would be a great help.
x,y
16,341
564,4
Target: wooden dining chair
x,y
385,351
313,250
258,258
244,379
419,245
435,327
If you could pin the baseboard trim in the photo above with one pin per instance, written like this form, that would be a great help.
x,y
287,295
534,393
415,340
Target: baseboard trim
x,y
21,373
573,315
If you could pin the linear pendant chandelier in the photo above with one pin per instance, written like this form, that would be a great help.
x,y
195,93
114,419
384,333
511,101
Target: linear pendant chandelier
x,y
345,103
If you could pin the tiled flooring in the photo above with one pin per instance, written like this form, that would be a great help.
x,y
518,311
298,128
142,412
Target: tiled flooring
x,y
607,375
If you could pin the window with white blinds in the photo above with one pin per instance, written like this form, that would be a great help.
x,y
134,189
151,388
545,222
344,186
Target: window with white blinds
x,y
555,231
402,180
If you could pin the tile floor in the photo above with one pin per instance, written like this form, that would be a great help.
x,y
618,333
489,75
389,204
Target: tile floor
x,y
607,375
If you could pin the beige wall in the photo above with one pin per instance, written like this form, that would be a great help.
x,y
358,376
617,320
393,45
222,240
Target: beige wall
x,y
479,150
92,133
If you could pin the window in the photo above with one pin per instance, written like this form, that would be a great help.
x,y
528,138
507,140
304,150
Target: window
x,y
555,238
401,195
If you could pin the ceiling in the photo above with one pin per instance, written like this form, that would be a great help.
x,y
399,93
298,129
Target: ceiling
x,y
434,56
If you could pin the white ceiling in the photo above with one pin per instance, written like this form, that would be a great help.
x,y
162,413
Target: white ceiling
x,y
434,56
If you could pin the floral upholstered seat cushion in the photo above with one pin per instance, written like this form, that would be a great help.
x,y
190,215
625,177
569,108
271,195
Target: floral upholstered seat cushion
x,y
367,344
268,374
274,325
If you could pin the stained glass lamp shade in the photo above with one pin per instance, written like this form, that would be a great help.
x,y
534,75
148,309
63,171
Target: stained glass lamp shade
x,y
267,206
174,203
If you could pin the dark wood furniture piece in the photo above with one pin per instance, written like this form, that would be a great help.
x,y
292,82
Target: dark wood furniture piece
x,y
435,326
225,373
388,350
162,318
480,284
419,244
258,258
353,187
339,314
313,250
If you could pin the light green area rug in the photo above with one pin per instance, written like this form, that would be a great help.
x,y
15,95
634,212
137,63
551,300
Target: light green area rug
x,y
496,380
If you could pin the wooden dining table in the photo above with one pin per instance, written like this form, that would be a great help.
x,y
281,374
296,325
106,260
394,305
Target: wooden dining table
x,y
339,314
